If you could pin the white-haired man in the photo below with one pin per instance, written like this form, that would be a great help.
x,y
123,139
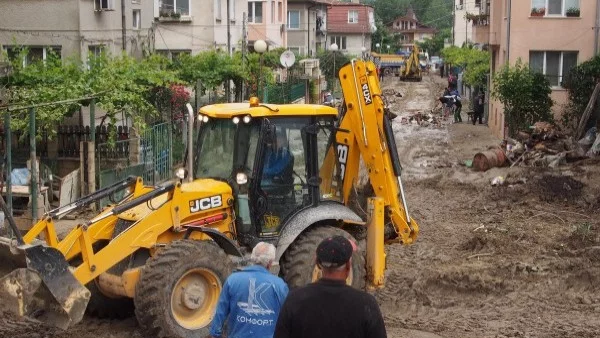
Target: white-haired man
x,y
251,298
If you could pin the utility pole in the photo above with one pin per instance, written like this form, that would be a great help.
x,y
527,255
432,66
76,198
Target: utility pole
x,y
509,11
244,50
228,83
597,27
123,25
453,22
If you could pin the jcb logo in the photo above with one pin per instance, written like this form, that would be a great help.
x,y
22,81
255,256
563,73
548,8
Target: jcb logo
x,y
205,203
366,91
342,150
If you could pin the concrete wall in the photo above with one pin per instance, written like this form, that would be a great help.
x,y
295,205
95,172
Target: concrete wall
x,y
73,25
270,30
537,34
299,38
355,43
203,29
463,30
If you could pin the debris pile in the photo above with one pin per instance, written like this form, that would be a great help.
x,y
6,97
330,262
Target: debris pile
x,y
543,146
422,119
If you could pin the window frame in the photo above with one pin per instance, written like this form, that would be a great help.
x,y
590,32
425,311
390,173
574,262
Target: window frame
x,y
98,5
252,12
217,4
563,4
561,74
26,60
136,24
289,21
174,9
339,40
352,17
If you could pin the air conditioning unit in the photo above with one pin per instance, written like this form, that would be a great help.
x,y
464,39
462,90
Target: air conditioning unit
x,y
459,7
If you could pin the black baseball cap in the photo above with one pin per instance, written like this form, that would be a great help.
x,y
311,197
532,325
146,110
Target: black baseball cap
x,y
334,252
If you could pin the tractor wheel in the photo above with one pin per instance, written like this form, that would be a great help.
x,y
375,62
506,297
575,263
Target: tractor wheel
x,y
299,262
179,289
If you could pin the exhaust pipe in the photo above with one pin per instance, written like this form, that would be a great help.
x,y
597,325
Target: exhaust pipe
x,y
190,142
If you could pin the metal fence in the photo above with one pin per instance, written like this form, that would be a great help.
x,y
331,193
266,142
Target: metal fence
x,y
284,92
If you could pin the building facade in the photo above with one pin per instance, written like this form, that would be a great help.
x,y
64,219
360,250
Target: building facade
x,y
551,36
186,26
350,26
410,30
306,23
75,28
463,28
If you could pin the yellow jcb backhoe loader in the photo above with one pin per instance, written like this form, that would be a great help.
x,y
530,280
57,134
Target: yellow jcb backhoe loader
x,y
412,66
260,172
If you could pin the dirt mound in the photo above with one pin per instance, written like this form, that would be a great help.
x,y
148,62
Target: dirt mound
x,y
12,326
558,188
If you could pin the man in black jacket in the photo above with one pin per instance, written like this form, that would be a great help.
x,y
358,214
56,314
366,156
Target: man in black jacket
x,y
329,308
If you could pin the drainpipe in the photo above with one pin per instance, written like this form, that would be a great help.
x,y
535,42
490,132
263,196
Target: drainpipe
x,y
596,27
123,25
308,29
190,142
508,31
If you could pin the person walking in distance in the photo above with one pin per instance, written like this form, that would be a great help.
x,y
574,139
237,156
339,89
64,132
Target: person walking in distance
x,y
478,107
251,298
456,96
328,308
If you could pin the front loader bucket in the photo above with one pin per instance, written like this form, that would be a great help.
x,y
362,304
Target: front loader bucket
x,y
40,284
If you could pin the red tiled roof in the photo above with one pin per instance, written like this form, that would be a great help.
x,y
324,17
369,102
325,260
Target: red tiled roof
x,y
337,18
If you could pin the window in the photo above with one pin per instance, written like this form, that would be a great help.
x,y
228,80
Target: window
x,y
176,6
556,7
173,54
104,5
280,11
352,16
273,12
255,12
554,65
338,40
96,50
33,53
218,9
296,50
477,3
137,19
294,19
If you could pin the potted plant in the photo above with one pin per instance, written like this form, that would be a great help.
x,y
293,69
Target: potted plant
x,y
176,15
538,11
573,12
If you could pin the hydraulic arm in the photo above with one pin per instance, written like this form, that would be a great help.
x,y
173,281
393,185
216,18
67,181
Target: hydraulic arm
x,y
365,131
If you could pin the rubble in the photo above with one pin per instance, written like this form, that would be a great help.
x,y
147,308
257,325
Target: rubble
x,y
422,119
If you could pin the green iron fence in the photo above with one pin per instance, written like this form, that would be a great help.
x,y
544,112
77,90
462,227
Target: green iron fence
x,y
284,92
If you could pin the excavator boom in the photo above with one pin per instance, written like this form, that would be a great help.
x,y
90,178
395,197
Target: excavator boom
x,y
365,131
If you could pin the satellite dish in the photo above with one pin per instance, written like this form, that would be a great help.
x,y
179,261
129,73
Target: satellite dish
x,y
287,59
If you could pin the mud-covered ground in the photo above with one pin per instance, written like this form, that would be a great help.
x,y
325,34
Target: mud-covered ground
x,y
518,260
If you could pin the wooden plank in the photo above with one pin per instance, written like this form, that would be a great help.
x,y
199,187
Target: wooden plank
x,y
69,188
21,190
587,112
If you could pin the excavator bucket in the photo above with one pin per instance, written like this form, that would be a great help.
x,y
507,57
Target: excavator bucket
x,y
39,284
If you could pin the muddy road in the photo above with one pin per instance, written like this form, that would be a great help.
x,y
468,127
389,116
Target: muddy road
x,y
519,260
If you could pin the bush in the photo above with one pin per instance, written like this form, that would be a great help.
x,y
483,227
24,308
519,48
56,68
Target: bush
x,y
525,95
580,85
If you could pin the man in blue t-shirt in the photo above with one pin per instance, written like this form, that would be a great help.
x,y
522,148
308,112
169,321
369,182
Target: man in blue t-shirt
x,y
251,298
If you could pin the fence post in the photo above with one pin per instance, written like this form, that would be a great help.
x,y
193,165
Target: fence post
x,y
34,174
8,152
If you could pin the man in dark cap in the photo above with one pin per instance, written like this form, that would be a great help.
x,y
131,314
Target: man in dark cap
x,y
329,308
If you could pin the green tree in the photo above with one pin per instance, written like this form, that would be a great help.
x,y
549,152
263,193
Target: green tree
x,y
580,84
475,62
525,95
435,45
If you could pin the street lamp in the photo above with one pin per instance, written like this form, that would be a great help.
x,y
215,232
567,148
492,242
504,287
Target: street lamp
x,y
388,49
260,46
378,45
334,48
364,52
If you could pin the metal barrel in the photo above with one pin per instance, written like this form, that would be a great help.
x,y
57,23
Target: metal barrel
x,y
40,285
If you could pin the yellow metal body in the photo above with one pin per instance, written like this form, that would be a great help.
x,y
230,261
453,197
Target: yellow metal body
x,y
165,218
412,68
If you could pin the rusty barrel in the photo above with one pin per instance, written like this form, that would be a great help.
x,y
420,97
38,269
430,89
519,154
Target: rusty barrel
x,y
488,159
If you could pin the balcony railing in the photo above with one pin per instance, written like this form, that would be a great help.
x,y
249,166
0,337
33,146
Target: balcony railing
x,y
478,19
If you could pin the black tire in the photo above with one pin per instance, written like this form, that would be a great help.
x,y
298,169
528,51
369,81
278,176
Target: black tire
x,y
298,262
158,280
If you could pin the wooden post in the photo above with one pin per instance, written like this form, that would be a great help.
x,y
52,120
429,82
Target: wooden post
x,y
587,112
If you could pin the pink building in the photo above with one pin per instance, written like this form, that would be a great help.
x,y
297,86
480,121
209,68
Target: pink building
x,y
550,35
267,21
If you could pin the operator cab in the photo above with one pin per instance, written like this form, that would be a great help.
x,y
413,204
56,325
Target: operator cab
x,y
270,155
